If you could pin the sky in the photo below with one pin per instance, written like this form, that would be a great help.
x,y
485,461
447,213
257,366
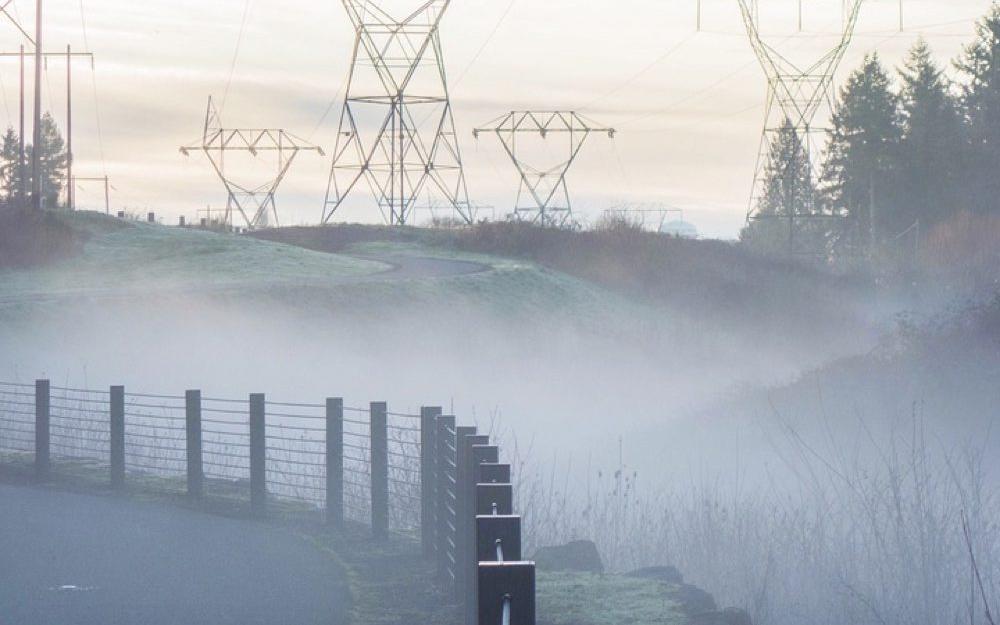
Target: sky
x,y
688,105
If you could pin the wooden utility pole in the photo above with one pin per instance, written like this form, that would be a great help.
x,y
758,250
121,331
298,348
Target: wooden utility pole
x,y
36,153
21,169
70,191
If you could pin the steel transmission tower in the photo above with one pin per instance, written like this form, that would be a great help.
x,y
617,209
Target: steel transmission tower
x,y
397,130
255,205
795,96
542,195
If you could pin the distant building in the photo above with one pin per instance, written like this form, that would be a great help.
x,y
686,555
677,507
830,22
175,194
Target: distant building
x,y
679,229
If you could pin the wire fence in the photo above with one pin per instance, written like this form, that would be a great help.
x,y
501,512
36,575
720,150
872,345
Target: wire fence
x,y
413,474
156,435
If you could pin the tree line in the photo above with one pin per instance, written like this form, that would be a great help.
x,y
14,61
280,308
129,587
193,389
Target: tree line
x,y
53,159
906,151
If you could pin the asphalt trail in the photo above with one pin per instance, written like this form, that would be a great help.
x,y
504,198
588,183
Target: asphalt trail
x,y
69,559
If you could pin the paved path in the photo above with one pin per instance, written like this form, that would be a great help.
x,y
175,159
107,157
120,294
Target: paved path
x,y
405,267
68,559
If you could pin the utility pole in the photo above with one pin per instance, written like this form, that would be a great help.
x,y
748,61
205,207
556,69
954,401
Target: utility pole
x,y
70,191
36,153
21,165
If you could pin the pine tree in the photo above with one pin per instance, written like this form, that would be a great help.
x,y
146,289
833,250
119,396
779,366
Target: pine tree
x,y
858,174
53,162
931,145
980,66
9,165
788,196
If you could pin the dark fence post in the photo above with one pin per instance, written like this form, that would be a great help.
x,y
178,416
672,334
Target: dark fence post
x,y
446,504
428,415
468,522
335,461
506,587
195,469
462,496
493,473
380,468
118,437
258,454
42,415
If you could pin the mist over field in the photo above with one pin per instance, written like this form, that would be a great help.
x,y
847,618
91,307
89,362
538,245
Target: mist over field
x,y
705,353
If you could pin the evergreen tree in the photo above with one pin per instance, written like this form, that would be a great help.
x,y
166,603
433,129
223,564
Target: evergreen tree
x,y
788,195
931,143
980,66
9,164
858,175
53,162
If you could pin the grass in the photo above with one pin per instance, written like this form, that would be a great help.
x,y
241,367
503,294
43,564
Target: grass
x,y
591,599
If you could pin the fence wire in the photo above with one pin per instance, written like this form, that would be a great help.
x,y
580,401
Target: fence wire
x,y
155,433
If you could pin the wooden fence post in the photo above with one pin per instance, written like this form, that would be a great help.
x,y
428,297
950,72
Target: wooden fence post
x,y
117,437
428,416
380,469
335,461
446,504
43,390
195,469
258,454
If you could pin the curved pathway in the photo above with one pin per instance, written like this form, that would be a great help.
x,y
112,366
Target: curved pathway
x,y
72,559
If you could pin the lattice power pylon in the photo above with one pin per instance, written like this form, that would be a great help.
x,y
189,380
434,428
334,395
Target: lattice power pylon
x,y
397,130
255,205
796,94
542,195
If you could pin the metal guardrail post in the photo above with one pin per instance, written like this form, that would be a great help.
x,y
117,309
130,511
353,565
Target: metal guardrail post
x,y
494,499
380,469
445,505
428,415
258,454
195,468
117,403
468,524
462,510
483,454
493,473
506,587
335,461
493,530
43,397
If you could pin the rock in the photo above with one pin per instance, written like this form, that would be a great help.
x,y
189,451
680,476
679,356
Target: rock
x,y
729,616
694,601
665,574
579,555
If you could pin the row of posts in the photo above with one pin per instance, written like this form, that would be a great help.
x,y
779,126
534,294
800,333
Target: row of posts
x,y
468,526
194,454
470,529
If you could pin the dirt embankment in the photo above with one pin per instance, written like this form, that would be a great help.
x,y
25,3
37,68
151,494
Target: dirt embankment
x,y
31,238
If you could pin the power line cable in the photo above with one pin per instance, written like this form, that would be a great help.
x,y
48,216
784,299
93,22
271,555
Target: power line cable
x,y
663,57
486,42
236,54
97,101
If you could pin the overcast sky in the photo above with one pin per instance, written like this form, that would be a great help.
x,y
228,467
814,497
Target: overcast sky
x,y
689,105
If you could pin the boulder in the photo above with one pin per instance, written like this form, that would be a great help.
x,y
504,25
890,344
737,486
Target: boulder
x,y
693,600
665,574
579,555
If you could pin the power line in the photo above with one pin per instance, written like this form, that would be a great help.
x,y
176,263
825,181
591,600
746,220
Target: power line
x,y
663,57
97,101
236,54
486,42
